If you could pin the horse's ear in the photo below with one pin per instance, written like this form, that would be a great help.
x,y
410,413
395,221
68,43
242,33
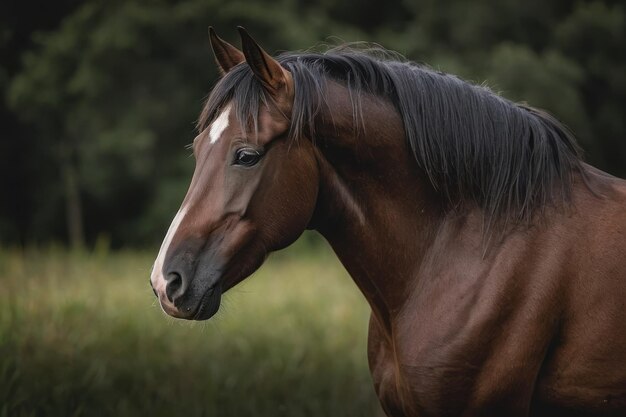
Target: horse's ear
x,y
275,79
226,55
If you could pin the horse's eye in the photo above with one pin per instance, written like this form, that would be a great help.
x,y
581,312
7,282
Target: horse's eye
x,y
247,157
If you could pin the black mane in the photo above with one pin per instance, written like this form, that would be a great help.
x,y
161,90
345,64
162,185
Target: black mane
x,y
474,146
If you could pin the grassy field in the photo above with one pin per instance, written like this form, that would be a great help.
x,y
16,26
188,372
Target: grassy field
x,y
82,335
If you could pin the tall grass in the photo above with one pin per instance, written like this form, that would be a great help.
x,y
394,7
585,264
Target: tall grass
x,y
82,335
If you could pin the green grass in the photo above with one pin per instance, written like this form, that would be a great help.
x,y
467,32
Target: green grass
x,y
81,335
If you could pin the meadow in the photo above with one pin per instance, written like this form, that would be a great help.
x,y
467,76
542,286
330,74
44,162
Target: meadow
x,y
81,334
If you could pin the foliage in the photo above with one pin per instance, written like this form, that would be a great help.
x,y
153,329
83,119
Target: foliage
x,y
110,90
80,335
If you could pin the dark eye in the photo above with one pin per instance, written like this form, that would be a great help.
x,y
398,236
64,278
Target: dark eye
x,y
247,157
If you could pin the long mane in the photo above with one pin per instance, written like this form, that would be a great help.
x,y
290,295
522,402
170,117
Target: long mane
x,y
476,147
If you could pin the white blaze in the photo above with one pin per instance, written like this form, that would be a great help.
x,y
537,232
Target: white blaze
x,y
218,126
157,278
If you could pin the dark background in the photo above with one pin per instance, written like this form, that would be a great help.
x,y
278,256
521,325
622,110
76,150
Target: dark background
x,y
99,98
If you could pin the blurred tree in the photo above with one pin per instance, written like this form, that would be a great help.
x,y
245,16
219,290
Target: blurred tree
x,y
96,91
594,36
112,94
548,80
24,171
107,91
566,57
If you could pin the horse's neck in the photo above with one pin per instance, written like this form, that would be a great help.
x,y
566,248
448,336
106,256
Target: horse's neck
x,y
375,207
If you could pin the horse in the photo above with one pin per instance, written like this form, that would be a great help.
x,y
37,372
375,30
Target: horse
x,y
491,255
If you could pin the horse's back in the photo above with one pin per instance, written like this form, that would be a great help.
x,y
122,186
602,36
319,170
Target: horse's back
x,y
585,370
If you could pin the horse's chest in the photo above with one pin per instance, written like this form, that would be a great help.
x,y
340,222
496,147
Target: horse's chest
x,y
386,375
446,373
407,390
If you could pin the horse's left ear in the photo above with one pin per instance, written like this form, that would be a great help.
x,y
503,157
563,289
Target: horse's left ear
x,y
226,55
275,79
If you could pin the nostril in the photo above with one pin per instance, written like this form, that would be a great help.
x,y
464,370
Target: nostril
x,y
174,283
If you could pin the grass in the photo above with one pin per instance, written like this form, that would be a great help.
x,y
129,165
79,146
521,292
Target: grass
x,y
81,335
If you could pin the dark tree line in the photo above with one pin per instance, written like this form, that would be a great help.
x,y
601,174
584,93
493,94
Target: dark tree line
x,y
100,97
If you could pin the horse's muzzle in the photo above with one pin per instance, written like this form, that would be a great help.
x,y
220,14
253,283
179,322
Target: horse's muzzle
x,y
190,301
190,304
189,285
197,270
209,304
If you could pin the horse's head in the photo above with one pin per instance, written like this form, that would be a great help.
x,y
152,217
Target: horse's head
x,y
253,191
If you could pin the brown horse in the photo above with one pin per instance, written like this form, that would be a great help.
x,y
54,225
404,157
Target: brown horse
x,y
493,259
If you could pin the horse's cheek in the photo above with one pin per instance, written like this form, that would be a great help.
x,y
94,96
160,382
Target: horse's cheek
x,y
289,200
